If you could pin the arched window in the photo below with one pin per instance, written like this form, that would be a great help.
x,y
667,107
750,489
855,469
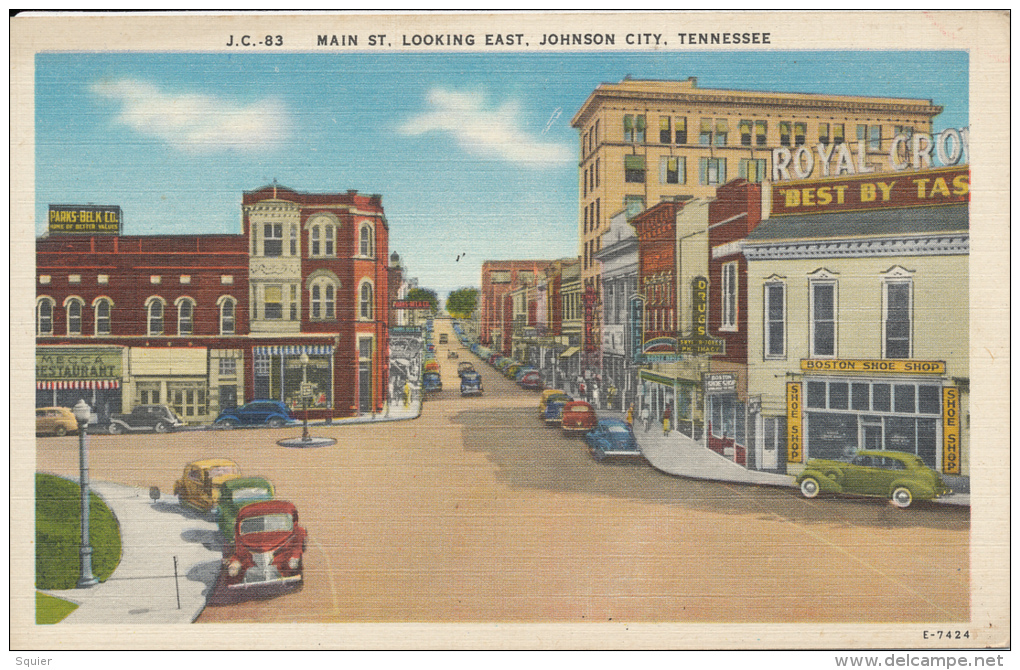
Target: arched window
x,y
323,300
74,310
185,316
316,245
366,247
154,315
293,240
103,308
227,305
322,238
366,308
44,316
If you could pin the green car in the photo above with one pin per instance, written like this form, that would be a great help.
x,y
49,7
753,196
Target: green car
x,y
235,494
896,475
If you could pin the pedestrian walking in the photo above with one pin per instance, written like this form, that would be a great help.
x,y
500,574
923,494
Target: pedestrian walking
x,y
630,417
665,421
407,394
646,417
595,397
611,396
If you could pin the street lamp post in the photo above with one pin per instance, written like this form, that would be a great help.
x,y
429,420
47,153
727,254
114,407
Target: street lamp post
x,y
304,396
86,579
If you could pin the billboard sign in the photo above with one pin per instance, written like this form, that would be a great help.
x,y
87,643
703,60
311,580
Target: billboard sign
x,y
85,220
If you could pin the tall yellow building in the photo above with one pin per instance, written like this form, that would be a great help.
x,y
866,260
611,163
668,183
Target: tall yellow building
x,y
645,141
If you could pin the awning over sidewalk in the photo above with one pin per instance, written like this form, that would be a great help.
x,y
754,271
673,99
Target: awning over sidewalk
x,y
295,350
570,352
80,384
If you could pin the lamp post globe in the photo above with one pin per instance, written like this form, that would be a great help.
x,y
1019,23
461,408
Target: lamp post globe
x,y
86,579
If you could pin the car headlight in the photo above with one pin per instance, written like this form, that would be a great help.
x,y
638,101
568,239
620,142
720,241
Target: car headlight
x,y
234,568
294,563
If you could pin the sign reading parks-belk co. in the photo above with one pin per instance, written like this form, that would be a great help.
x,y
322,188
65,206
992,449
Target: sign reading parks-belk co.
x,y
85,219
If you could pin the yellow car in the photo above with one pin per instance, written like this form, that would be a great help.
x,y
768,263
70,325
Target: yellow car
x,y
57,421
199,486
543,400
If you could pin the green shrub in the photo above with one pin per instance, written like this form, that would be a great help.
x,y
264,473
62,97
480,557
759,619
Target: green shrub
x,y
58,534
51,610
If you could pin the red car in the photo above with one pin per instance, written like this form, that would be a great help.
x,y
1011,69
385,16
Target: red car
x,y
578,417
531,380
268,546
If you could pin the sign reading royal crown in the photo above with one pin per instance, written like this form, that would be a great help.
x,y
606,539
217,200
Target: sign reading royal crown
x,y
85,219
940,186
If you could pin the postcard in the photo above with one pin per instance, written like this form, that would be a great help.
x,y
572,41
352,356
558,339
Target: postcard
x,y
629,330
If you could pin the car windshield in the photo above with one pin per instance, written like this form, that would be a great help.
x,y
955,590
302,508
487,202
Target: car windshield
x,y
267,523
221,470
250,493
618,429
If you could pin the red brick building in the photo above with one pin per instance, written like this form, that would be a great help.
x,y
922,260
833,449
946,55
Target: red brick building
x,y
499,278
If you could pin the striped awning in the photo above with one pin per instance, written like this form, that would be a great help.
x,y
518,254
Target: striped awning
x,y
79,384
295,350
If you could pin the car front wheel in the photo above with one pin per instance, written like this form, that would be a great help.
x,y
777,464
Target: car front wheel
x,y
161,427
809,487
60,431
115,429
227,423
902,497
276,422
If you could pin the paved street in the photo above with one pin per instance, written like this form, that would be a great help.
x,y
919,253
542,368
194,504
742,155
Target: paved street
x,y
477,512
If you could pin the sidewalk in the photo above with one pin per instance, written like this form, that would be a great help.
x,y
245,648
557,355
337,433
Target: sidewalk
x,y
142,590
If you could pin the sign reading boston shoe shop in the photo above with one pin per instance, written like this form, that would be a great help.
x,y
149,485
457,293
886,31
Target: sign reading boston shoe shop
x,y
940,186
85,219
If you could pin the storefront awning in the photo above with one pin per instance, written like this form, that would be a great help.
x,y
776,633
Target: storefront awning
x,y
295,350
80,384
570,352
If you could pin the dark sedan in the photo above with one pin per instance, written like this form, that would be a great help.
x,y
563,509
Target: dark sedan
x,y
272,413
612,438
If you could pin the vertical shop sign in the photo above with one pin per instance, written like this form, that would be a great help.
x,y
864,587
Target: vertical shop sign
x,y
951,430
794,424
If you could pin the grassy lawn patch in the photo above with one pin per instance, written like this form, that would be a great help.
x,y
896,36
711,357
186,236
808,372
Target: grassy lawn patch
x,y
58,533
51,610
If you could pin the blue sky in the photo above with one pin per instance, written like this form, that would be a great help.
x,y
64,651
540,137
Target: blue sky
x,y
473,153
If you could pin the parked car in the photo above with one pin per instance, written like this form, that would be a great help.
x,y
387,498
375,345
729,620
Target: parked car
x,y
531,380
463,367
272,413
267,546
57,421
542,399
431,381
443,338
523,370
578,417
235,494
142,418
553,412
612,438
470,383
432,366
493,358
896,475
200,485
511,371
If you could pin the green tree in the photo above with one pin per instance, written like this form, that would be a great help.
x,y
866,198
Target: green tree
x,y
461,303
421,294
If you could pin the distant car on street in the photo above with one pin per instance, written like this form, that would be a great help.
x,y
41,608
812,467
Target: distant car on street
x,y
431,381
272,413
896,475
235,494
57,421
443,338
200,484
578,417
142,418
463,367
470,383
531,380
612,438
267,546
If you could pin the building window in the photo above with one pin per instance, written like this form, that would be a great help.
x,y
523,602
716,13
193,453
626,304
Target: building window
x,y
784,133
634,128
228,367
823,319
634,205
875,138
73,279
45,279
155,279
187,399
366,246
103,309
823,133
366,309
316,245
665,130
722,132
73,308
673,170
745,132
634,169
907,131
323,300
752,169
272,240
293,302
185,279
273,302
775,320
799,134
862,134
154,311
227,305
680,129
897,319
729,296
185,316
713,171
293,241
761,133
226,279
838,133
705,133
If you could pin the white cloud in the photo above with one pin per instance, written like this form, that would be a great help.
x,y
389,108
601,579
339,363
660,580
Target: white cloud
x,y
490,133
197,121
